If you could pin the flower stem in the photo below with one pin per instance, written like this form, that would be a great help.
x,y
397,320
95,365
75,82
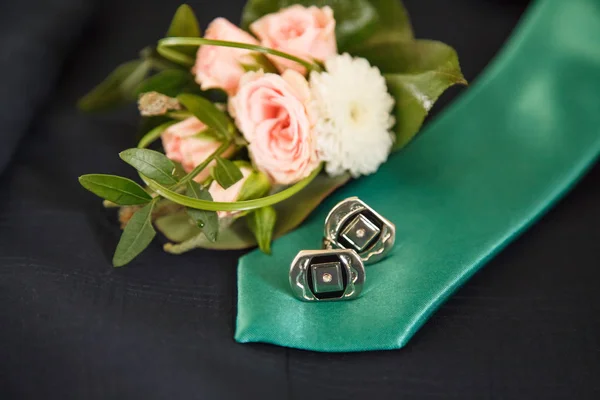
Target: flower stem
x,y
224,146
154,134
164,49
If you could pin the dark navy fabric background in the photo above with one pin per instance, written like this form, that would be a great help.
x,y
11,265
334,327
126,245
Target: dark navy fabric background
x,y
526,327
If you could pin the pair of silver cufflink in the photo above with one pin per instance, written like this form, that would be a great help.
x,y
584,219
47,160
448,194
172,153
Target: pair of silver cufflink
x,y
354,235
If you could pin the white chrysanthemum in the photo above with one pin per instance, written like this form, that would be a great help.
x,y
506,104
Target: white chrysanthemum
x,y
353,112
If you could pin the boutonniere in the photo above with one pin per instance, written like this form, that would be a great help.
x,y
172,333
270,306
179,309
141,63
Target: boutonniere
x,y
249,128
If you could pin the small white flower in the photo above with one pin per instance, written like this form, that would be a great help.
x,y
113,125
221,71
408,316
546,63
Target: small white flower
x,y
353,116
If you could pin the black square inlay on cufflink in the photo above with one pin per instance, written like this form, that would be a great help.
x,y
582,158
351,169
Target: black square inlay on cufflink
x,y
360,232
327,277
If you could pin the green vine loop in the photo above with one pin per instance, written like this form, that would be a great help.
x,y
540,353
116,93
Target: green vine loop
x,y
235,206
165,49
246,205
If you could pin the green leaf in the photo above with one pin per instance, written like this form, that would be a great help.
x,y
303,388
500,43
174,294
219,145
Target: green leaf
x,y
186,236
119,190
208,221
169,82
117,89
392,17
136,237
207,112
257,185
226,173
184,23
152,164
355,19
131,82
421,72
178,229
399,56
261,223
392,23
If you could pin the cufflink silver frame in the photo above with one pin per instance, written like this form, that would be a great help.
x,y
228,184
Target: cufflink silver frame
x,y
327,275
352,224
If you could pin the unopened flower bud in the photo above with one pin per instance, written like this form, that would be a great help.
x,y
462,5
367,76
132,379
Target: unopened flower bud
x,y
154,103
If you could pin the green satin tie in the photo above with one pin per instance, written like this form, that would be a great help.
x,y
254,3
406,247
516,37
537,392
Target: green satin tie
x,y
477,176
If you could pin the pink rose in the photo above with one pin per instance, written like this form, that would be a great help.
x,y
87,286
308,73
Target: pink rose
x,y
271,112
181,146
219,67
230,194
307,33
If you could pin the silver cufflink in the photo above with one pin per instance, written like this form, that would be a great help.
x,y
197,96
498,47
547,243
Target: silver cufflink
x,y
325,275
352,224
